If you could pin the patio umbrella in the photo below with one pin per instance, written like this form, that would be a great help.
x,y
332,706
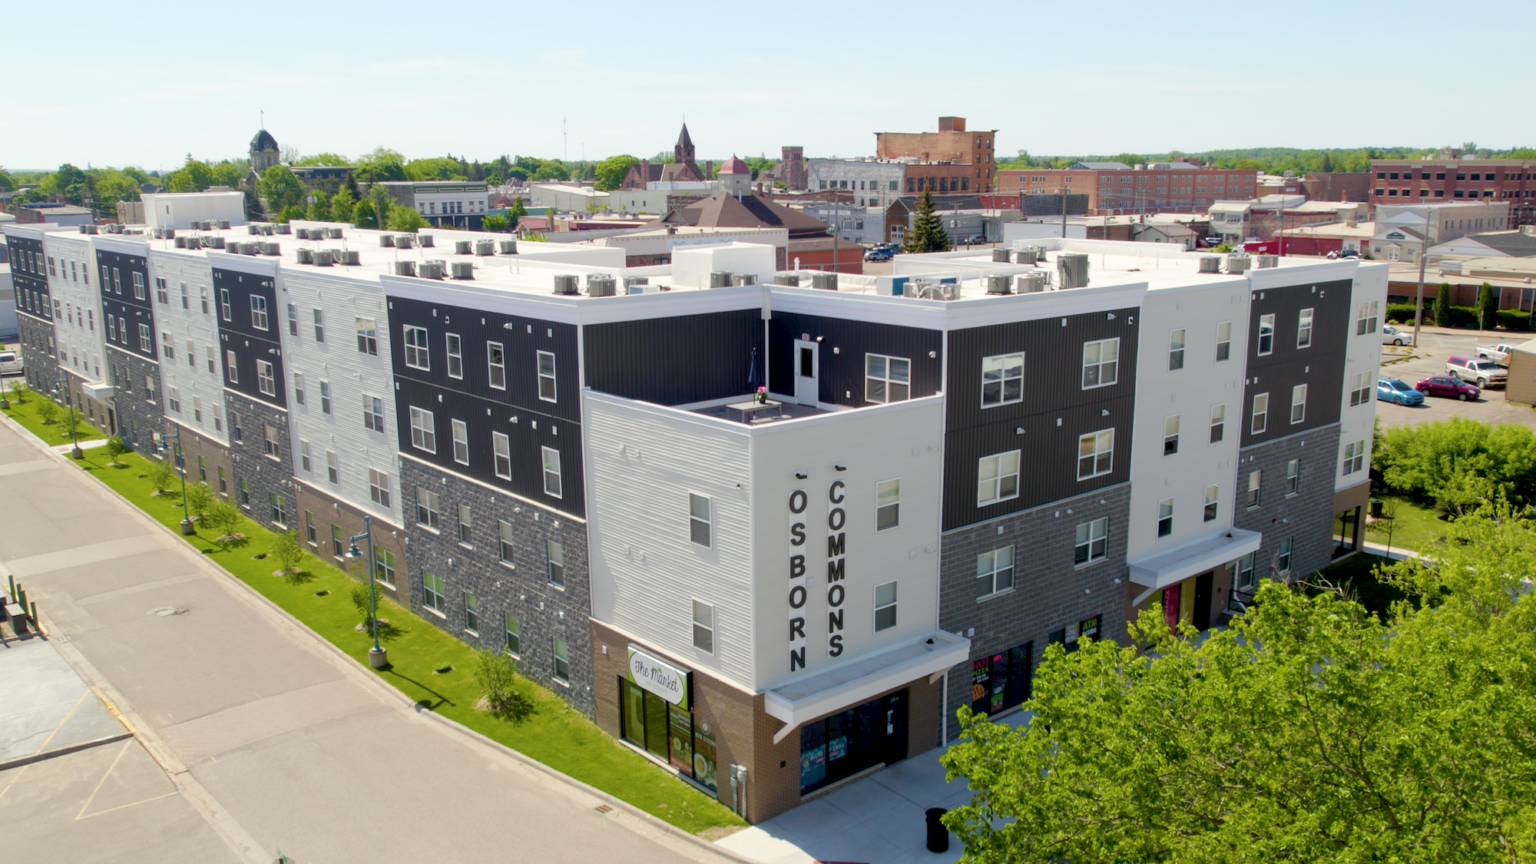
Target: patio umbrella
x,y
755,372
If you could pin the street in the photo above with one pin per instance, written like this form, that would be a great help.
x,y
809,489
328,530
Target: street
x,y
251,735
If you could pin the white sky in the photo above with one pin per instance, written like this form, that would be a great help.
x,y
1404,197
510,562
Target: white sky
x,y
113,83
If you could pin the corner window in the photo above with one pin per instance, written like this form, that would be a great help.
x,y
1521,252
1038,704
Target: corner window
x,y
551,471
1266,334
997,478
1092,542
1170,435
1095,454
704,626
1366,317
886,379
423,431
699,519
416,355
555,554
1218,422
1304,329
1255,480
1260,419
367,336
1211,494
1298,403
1165,517
1101,363
885,606
1002,380
887,504
1175,350
994,571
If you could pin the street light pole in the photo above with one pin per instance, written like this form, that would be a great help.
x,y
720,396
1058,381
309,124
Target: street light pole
x,y
377,657
187,528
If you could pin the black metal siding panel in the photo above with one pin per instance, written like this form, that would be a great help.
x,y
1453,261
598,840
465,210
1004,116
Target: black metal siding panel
x,y
124,306
841,355
674,361
1048,461
23,278
528,433
1053,364
1320,367
521,338
248,343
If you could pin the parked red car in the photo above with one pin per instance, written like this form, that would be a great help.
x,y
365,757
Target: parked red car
x,y
1445,385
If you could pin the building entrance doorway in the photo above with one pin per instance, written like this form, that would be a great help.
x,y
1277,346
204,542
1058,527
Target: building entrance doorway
x,y
807,369
842,745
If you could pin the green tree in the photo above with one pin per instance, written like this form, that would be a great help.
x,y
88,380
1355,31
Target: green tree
x,y
927,234
282,189
221,519
496,675
380,165
517,212
319,209
47,411
405,219
434,169
199,499
288,552
1442,310
115,449
1458,463
290,212
342,205
495,222
194,176
7,183
1127,158
161,474
323,159
1487,307
611,171
1309,731
364,216
230,173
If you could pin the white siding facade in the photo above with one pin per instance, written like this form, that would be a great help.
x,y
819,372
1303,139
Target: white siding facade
x,y
193,332
77,326
1357,423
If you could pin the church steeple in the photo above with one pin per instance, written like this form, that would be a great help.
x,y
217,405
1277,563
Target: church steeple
x,y
683,152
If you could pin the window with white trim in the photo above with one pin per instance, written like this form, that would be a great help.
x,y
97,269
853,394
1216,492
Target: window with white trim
x,y
1266,334
373,413
460,441
885,606
887,379
1223,341
175,397
332,468
1360,387
1170,435
298,388
1366,317
1283,558
547,382
1091,542
997,478
466,525
551,471
704,626
1292,477
423,431
325,397
1101,363
293,312
1165,517
887,504
416,354
1218,422
225,310
514,637
1095,454
508,544
1212,493
501,448
1304,329
699,519
1354,457
496,365
266,382
1255,481
1260,419
455,355
367,336
426,507
1175,350
562,654
258,312
304,462
1002,380
554,554
319,316
270,440
1299,403
432,591
1245,572
994,572
378,487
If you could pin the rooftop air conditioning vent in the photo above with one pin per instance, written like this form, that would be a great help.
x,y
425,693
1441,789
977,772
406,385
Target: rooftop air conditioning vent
x,y
743,279
1027,255
253,229
1266,262
267,230
350,257
565,285
719,278
386,239
323,258
600,285
1000,284
1072,270
304,256
824,281
334,233
485,247
463,269
461,247
301,233
1000,256
405,241
405,268
181,242
223,223
271,247
506,247
215,242
430,270
790,279
192,242
168,233
1238,262
114,228
283,228
632,281
87,229
1210,263
1033,282
424,240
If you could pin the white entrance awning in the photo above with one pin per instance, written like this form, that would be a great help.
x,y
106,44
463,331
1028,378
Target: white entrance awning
x,y
859,680
1168,566
100,392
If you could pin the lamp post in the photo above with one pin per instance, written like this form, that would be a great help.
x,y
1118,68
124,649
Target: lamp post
x,y
181,469
69,406
377,657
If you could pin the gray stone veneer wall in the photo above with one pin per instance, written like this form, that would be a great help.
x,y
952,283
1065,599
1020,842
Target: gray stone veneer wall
x,y
544,611
250,462
138,416
1050,592
1306,515
42,365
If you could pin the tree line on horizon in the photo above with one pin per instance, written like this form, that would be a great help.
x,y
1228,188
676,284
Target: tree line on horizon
x,y
1272,160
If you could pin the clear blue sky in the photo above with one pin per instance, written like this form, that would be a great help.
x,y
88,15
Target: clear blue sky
x,y
145,84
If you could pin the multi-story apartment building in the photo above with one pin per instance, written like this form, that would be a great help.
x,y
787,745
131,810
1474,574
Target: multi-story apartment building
x,y
78,328
191,394
133,343
1434,180
769,599
950,156
34,305
1114,187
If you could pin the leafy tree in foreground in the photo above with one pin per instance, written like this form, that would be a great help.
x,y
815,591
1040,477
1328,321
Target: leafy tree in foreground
x,y
1308,732
927,234
1459,463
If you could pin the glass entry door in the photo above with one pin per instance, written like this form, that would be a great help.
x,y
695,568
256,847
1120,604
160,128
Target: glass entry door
x,y
850,741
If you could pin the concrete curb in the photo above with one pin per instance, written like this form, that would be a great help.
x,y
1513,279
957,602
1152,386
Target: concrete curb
x,y
383,686
64,751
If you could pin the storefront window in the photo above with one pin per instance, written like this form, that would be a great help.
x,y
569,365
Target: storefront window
x,y
1001,681
1087,630
669,732
850,741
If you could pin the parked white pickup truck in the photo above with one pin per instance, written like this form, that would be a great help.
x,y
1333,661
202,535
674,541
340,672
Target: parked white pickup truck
x,y
1497,353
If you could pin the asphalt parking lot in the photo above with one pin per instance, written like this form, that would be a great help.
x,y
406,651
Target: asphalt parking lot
x,y
1435,345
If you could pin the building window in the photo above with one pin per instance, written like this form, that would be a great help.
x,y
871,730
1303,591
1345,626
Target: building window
x,y
309,528
1165,517
223,481
504,533
555,554
258,312
225,310
1218,422
1211,495
1260,420
1266,334
1175,350
1170,435
501,447
1354,457
547,390
270,440
378,487
175,397
145,344
1002,380
432,591
455,356
1101,363
562,661
460,441
208,352
886,379
298,389
887,504
338,549
367,336
885,606
138,283
1283,559
384,566
1095,454
1298,403
551,471
245,492
704,626
191,351
373,413
423,432
319,325
416,355
279,508
325,397
466,525
1292,476
1304,329
167,345
304,462
1255,478
471,613
234,426
1360,387
1245,572
514,642
997,478
266,382
426,507
994,571
332,467
699,521
293,313
1365,320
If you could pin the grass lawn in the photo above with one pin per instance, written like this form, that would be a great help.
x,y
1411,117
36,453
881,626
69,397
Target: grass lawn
x,y
1357,575
54,433
430,666
1415,527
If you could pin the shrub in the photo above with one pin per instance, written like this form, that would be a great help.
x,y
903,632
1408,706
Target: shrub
x,y
496,674
287,551
199,499
161,474
1487,309
1443,305
222,518
1514,319
48,411
18,392
115,448
1402,313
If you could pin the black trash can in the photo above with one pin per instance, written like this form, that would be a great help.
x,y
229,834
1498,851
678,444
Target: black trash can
x,y
938,835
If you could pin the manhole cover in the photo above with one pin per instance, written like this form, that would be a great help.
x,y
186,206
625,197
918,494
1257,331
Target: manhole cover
x,y
168,611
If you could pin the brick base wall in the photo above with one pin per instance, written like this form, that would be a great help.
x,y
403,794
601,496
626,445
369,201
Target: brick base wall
x,y
329,511
1307,515
138,415
42,367
267,475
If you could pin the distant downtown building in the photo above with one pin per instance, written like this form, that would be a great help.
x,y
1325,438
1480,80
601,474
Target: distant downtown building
x,y
560,456
1425,181
1149,187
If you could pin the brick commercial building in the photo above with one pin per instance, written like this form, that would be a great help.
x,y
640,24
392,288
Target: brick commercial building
x,y
1424,181
1115,188
946,157
561,456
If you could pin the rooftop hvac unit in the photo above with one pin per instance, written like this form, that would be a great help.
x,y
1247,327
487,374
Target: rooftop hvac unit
x,y
600,286
463,269
506,247
301,233
271,247
565,284
1000,256
999,284
743,279
643,288
194,243
323,257
181,242
253,229
114,228
350,257
824,281
1238,262
215,242
223,223
405,241
423,240
251,248
405,268
430,270
205,225
719,279
266,230
485,247
304,256
168,233
790,279
283,228
632,281
87,229
1266,262
1210,263
386,239
461,247
1033,282
1027,255
1072,270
